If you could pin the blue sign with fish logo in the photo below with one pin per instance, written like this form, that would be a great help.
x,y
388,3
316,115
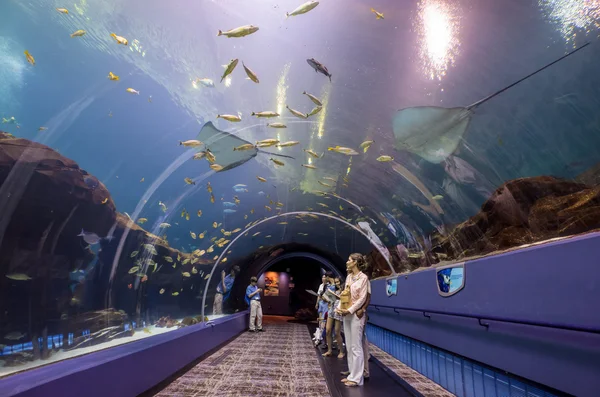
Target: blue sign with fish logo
x,y
450,279
391,286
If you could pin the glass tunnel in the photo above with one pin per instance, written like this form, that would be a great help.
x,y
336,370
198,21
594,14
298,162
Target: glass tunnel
x,y
149,150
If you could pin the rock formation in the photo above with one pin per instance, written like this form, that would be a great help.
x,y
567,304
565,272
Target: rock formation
x,y
524,211
45,202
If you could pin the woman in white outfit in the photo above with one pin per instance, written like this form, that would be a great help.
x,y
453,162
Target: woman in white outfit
x,y
357,283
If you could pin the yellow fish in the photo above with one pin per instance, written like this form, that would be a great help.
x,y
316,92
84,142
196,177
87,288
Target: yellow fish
x,y
281,163
288,144
239,32
266,114
314,111
175,293
252,211
119,39
378,14
267,142
142,180
193,235
212,198
112,76
62,10
186,274
251,75
267,208
246,146
224,260
201,235
191,143
29,57
236,230
255,234
216,167
312,167
208,187
162,291
229,68
105,201
210,249
215,225
189,181
194,270
296,113
366,145
132,91
78,33
385,158
229,117
276,125
246,216
312,153
343,150
260,178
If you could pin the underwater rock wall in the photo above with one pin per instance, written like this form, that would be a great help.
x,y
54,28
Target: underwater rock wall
x,y
524,211
46,199
51,281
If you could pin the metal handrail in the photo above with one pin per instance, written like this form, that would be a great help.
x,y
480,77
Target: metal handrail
x,y
481,319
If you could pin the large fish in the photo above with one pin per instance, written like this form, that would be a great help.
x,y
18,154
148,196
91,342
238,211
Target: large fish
x,y
319,67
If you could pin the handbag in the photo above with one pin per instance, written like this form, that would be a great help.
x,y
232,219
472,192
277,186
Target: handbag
x,y
345,298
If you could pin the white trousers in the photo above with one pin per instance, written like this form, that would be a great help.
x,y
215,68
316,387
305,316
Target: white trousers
x,y
218,304
354,331
255,315
366,352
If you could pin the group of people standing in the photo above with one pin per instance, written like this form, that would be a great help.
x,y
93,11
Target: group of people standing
x,y
339,306
346,306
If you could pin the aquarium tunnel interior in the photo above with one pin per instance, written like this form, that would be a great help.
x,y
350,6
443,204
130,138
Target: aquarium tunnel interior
x,y
438,159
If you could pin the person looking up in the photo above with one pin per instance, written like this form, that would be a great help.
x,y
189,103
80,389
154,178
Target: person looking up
x,y
224,289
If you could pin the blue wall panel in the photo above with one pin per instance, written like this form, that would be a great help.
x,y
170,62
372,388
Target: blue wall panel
x,y
456,374
554,283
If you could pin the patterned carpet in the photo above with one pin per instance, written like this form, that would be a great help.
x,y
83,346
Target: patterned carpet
x,y
246,367
422,384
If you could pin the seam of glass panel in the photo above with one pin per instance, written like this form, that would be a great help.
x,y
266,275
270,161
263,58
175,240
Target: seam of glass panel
x,y
288,214
476,379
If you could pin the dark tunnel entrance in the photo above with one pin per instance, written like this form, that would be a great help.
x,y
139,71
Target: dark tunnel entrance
x,y
296,272
286,280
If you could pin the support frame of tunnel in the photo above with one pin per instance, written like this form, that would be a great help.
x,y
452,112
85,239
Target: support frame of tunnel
x,y
275,217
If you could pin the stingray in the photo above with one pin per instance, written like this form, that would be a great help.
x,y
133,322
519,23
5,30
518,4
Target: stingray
x,y
434,132
221,144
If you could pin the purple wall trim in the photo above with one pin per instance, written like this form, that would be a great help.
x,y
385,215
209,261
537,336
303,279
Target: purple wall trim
x,y
125,370
558,282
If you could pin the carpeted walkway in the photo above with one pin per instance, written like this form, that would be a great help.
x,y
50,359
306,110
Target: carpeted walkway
x,y
280,362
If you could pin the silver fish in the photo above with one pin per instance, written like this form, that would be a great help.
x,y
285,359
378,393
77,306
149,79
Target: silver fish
x,y
90,238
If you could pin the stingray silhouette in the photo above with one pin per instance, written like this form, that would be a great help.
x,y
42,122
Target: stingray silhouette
x,y
221,144
434,132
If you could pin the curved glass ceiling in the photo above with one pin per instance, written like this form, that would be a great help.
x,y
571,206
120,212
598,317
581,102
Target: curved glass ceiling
x,y
386,117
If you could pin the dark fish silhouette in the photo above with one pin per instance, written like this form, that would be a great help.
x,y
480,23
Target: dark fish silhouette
x,y
319,67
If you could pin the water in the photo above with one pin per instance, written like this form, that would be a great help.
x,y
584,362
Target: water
x,y
61,298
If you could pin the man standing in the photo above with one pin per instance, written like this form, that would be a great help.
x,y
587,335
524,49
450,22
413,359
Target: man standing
x,y
224,289
253,300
